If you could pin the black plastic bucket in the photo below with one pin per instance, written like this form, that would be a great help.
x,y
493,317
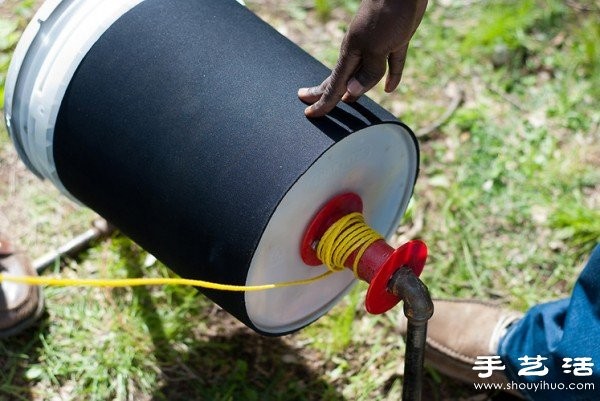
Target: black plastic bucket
x,y
178,121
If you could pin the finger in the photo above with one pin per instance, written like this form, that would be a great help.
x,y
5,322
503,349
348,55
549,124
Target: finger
x,y
353,91
396,66
312,94
367,76
336,86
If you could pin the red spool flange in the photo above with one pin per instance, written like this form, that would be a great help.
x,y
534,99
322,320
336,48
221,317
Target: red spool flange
x,y
333,210
378,263
413,255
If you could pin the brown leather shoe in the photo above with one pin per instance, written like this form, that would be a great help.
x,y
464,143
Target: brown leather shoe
x,y
20,305
462,330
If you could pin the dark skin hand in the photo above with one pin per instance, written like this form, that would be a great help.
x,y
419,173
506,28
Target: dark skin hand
x,y
377,38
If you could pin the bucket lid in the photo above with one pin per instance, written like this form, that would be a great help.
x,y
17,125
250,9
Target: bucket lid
x,y
379,163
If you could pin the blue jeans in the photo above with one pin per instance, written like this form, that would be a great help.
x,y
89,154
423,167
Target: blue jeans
x,y
567,333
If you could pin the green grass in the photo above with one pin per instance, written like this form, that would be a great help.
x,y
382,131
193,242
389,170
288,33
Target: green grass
x,y
509,164
509,193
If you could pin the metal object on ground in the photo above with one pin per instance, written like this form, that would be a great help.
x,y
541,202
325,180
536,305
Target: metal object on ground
x,y
418,309
100,229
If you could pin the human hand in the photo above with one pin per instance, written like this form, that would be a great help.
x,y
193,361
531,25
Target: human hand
x,y
378,35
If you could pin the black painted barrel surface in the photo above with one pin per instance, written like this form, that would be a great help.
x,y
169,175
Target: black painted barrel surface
x,y
182,127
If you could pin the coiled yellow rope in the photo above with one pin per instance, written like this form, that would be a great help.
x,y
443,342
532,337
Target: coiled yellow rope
x,y
337,244
348,234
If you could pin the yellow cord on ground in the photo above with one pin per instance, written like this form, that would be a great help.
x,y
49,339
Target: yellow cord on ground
x,y
348,234
337,244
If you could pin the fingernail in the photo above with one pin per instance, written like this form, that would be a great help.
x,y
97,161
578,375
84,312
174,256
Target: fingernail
x,y
302,91
355,88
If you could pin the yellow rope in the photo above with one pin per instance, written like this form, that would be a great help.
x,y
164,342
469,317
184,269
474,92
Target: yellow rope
x,y
348,234
134,282
337,244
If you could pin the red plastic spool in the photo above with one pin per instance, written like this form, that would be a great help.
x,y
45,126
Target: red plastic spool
x,y
379,261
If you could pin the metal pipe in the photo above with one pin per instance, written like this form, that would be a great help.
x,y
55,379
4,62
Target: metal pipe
x,y
418,308
100,229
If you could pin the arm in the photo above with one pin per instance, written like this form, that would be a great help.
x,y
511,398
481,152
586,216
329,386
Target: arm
x,y
377,36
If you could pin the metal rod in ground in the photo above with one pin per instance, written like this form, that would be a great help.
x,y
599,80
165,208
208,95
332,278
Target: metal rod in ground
x,y
418,308
412,387
100,229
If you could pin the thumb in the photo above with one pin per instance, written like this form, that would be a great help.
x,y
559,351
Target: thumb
x,y
370,72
